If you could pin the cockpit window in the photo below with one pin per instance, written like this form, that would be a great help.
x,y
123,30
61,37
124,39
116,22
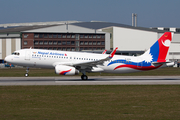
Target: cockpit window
x,y
15,53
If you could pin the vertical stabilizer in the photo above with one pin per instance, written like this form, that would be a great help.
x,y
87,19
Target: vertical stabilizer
x,y
159,49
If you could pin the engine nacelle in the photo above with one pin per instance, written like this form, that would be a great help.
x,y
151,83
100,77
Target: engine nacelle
x,y
65,70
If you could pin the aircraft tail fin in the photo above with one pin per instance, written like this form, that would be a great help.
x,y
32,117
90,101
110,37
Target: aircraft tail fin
x,y
158,51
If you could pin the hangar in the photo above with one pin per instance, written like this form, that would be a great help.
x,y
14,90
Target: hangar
x,y
83,36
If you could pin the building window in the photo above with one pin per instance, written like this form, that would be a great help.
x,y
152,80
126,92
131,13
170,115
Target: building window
x,y
81,43
25,35
102,43
45,42
64,36
36,42
64,43
94,43
59,42
90,36
68,43
40,35
50,35
77,36
41,42
50,42
59,48
90,42
54,42
68,36
167,29
59,35
72,36
77,44
54,35
102,36
77,48
81,49
64,49
72,49
81,36
68,49
85,43
177,29
72,42
54,48
98,43
86,48
94,36
45,36
85,36
25,42
36,35
98,36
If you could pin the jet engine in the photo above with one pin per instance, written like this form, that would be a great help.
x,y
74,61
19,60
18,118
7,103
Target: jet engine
x,y
66,70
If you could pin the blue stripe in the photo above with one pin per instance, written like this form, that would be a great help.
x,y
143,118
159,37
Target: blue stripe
x,y
154,51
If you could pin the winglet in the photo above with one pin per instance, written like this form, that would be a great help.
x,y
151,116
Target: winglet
x,y
113,52
104,52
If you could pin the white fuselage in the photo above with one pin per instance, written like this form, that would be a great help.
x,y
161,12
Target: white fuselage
x,y
51,58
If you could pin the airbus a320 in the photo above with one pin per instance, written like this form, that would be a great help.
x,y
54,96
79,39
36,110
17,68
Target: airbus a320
x,y
71,63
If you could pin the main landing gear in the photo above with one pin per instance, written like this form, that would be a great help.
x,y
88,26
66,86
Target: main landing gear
x,y
27,70
84,77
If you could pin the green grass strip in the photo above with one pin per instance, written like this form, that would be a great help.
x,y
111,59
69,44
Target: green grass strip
x,y
112,102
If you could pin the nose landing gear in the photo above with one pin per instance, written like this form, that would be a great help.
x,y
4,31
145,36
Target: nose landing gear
x,y
27,70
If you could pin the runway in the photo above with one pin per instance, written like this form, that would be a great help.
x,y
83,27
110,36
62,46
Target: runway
x,y
93,80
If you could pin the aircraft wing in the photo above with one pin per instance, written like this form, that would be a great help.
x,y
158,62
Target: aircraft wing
x,y
89,65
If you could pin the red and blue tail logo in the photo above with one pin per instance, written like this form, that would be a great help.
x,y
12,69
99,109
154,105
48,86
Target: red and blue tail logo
x,y
160,49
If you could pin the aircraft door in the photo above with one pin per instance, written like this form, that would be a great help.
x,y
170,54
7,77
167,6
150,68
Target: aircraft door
x,y
27,54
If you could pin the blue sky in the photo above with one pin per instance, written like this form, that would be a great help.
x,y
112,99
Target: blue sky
x,y
151,13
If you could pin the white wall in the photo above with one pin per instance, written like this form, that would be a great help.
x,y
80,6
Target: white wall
x,y
8,46
18,43
107,41
132,39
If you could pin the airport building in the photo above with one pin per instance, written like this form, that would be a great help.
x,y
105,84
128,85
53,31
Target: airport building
x,y
84,36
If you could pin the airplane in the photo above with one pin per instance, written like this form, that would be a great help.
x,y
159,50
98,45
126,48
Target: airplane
x,y
71,63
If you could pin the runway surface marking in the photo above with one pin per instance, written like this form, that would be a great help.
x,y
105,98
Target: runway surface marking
x,y
93,80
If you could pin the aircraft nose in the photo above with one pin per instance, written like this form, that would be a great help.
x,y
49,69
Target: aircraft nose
x,y
8,59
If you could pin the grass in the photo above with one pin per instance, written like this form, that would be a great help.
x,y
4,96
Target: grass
x,y
34,72
112,102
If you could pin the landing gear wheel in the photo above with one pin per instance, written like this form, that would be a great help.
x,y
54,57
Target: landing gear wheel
x,y
26,75
27,70
84,77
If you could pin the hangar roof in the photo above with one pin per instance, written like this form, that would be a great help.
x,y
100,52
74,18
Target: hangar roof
x,y
90,25
100,25
22,28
